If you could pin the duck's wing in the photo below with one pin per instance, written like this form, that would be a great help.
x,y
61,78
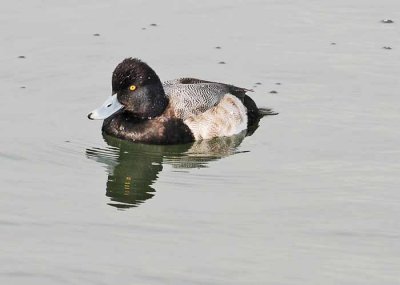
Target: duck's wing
x,y
234,90
191,96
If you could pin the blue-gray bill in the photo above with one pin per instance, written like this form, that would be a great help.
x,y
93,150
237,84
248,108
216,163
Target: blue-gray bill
x,y
109,107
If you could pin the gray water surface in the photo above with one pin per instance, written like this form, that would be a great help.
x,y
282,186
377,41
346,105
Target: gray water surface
x,y
312,197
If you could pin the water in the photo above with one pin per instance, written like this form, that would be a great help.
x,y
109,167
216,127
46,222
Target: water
x,y
310,198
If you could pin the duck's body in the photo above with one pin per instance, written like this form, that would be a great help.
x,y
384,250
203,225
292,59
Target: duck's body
x,y
177,111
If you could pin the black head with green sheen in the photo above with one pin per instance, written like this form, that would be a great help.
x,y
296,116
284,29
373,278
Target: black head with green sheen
x,y
136,90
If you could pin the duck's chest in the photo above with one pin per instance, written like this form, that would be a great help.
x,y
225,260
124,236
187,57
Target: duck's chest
x,y
155,131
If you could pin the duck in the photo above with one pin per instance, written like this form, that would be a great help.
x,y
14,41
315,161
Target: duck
x,y
143,109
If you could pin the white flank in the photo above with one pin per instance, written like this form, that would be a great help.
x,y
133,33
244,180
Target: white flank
x,y
227,118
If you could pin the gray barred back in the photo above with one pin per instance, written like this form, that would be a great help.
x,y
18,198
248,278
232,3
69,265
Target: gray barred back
x,y
191,96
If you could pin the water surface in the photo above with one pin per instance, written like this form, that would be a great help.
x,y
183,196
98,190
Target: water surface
x,y
310,198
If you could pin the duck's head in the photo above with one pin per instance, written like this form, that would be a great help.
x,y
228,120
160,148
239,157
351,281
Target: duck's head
x,y
136,89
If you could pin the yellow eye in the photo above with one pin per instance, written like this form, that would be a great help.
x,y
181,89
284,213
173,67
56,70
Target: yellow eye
x,y
132,87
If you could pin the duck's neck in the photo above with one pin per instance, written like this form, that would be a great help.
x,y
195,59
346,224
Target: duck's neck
x,y
158,103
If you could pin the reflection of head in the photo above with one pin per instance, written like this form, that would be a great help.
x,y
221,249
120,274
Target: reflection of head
x,y
132,179
133,171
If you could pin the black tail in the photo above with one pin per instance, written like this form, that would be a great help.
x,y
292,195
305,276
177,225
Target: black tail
x,y
255,114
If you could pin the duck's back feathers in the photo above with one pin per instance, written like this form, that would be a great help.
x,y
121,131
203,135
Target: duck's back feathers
x,y
185,80
232,89
191,96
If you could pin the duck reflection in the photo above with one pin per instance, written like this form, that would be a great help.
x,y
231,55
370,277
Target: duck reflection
x,y
133,168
